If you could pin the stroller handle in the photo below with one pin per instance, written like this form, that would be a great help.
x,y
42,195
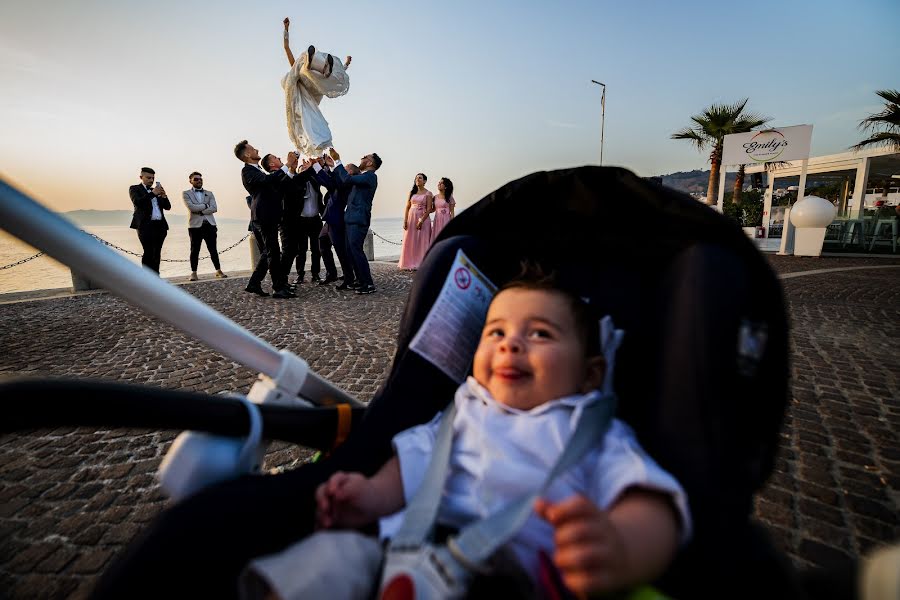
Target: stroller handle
x,y
40,227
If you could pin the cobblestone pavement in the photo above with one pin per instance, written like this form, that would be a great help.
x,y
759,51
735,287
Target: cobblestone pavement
x,y
70,498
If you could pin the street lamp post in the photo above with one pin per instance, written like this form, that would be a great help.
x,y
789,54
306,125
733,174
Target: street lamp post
x,y
602,116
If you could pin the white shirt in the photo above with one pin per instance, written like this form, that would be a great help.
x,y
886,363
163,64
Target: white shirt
x,y
155,214
500,454
311,202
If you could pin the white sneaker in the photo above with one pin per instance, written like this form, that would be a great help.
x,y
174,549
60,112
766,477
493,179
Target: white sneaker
x,y
194,276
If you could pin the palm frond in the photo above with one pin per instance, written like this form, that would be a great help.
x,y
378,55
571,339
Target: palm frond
x,y
885,125
881,138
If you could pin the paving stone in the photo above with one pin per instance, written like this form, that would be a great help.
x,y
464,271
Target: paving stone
x,y
835,492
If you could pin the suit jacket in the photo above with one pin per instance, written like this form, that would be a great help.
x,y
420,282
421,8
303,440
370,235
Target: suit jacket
x,y
335,198
359,202
266,194
143,206
200,211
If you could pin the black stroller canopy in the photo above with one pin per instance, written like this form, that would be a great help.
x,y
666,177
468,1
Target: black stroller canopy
x,y
702,372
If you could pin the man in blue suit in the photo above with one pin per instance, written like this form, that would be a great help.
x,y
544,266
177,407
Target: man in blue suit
x,y
335,205
358,215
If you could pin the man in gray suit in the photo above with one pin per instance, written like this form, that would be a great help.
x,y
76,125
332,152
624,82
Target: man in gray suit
x,y
201,205
358,214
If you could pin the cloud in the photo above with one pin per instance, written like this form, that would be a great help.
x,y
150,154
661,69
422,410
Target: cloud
x,y
16,59
854,114
553,123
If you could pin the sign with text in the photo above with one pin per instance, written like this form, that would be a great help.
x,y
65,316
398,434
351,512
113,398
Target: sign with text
x,y
768,145
450,332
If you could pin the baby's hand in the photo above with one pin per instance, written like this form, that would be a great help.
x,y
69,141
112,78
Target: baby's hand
x,y
590,553
343,501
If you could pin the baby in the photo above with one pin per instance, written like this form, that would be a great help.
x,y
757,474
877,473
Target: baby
x,y
613,521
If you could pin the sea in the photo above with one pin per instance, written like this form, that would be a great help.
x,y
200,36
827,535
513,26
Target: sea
x,y
44,272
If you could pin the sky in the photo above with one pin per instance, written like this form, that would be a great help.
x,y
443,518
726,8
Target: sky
x,y
481,92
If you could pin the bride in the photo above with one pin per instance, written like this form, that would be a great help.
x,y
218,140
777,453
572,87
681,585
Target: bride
x,y
313,75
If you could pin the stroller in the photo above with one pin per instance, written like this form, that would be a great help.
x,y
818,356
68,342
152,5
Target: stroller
x,y
701,377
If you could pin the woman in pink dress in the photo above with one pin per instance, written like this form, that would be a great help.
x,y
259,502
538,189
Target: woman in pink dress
x,y
416,224
444,205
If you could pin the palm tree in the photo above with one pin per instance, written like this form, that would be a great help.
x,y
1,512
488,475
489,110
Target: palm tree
x,y
709,130
885,126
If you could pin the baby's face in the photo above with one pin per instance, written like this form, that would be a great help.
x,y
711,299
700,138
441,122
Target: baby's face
x,y
530,352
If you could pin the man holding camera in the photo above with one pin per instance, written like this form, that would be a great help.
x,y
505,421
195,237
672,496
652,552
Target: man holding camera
x,y
149,203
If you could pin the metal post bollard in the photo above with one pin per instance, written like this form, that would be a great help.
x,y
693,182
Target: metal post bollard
x,y
81,283
369,246
254,251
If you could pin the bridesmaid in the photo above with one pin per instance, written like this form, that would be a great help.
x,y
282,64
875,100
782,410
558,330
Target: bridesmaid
x,y
416,224
444,205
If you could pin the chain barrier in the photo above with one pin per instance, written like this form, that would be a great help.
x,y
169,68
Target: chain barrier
x,y
126,251
21,262
387,240
172,260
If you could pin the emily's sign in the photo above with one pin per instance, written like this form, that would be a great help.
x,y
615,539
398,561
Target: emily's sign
x,y
785,143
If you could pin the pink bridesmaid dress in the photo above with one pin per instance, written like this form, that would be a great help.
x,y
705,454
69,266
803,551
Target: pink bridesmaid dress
x,y
416,241
441,214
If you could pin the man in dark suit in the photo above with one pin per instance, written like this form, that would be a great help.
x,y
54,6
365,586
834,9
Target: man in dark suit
x,y
149,203
266,211
335,204
358,215
293,191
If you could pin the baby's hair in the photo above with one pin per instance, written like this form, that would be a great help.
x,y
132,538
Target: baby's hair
x,y
534,277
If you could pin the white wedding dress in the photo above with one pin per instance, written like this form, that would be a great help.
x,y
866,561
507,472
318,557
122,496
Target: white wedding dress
x,y
303,90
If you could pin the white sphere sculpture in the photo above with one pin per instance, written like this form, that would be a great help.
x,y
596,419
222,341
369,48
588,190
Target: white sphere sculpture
x,y
812,211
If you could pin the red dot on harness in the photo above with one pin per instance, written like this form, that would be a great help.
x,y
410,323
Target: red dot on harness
x,y
399,588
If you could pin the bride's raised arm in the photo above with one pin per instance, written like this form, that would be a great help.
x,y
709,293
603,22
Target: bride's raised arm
x,y
287,46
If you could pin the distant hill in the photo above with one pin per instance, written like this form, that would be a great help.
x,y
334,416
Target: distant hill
x,y
696,181
123,218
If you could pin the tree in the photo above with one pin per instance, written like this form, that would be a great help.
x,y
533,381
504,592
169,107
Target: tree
x,y
885,126
709,130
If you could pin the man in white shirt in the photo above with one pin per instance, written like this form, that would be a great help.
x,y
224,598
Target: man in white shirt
x,y
201,205
149,203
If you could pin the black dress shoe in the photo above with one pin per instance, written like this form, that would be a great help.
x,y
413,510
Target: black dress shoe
x,y
344,286
355,285
284,293
255,289
298,281
369,289
315,279
328,279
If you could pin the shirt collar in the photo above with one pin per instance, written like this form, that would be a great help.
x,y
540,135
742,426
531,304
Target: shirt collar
x,y
472,390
